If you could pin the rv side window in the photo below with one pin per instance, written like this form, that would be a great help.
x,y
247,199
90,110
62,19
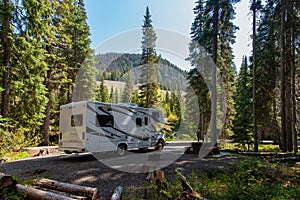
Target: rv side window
x,y
146,121
76,120
138,122
104,120
155,115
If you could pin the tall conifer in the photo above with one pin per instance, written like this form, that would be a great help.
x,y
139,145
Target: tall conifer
x,y
149,89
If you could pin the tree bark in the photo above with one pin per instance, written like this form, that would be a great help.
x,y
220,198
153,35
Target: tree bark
x,y
254,77
214,134
293,78
283,71
6,181
40,194
46,125
89,192
6,45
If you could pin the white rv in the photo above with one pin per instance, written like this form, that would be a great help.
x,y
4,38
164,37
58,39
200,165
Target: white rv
x,y
89,126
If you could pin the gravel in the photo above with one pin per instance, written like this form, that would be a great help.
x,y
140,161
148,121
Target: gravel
x,y
84,169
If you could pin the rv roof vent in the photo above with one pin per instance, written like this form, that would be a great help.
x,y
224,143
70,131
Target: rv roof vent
x,y
133,105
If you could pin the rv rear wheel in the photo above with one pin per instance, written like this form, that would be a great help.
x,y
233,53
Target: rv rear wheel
x,y
121,149
67,152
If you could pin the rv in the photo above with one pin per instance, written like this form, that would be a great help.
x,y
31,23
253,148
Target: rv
x,y
90,126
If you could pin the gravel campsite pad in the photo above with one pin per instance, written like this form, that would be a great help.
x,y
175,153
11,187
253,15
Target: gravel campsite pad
x,y
86,170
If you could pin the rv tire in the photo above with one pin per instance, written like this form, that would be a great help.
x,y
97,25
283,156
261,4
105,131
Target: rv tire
x,y
160,145
121,150
67,152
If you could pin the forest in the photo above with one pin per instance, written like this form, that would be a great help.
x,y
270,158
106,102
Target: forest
x,y
46,60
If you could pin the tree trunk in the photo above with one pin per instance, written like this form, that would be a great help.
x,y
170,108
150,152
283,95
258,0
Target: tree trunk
x,y
282,71
214,134
6,181
6,46
89,192
288,76
46,125
254,77
40,194
293,78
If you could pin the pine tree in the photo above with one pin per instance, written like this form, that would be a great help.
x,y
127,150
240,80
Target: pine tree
x,y
103,92
149,89
128,89
116,96
66,53
28,93
6,44
213,34
135,97
243,123
275,59
85,83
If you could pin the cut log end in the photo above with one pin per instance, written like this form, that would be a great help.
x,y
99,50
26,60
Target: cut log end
x,y
6,181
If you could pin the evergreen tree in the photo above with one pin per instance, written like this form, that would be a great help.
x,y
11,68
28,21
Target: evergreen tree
x,y
116,96
135,97
265,76
85,85
102,95
213,34
242,122
66,52
128,89
275,61
149,89
27,69
6,44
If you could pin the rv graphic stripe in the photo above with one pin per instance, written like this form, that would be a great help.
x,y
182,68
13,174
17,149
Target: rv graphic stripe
x,y
97,133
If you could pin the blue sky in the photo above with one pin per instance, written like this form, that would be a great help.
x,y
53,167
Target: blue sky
x,y
109,19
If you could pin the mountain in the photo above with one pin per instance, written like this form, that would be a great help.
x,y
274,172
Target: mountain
x,y
115,66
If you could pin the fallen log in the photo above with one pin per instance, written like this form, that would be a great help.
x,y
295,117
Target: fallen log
x,y
188,192
74,196
117,193
6,181
89,192
40,194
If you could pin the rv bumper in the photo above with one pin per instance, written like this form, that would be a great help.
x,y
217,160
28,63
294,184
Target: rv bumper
x,y
69,150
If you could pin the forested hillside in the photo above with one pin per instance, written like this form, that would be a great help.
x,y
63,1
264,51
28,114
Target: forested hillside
x,y
113,66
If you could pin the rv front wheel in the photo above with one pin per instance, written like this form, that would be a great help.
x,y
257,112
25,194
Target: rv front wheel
x,y
121,149
160,145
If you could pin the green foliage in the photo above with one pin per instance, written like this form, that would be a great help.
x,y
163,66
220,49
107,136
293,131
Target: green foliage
x,y
12,156
249,179
115,66
128,89
102,93
85,84
201,46
242,147
11,194
171,126
150,89
243,103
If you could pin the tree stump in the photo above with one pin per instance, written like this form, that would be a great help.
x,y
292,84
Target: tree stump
x,y
6,181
